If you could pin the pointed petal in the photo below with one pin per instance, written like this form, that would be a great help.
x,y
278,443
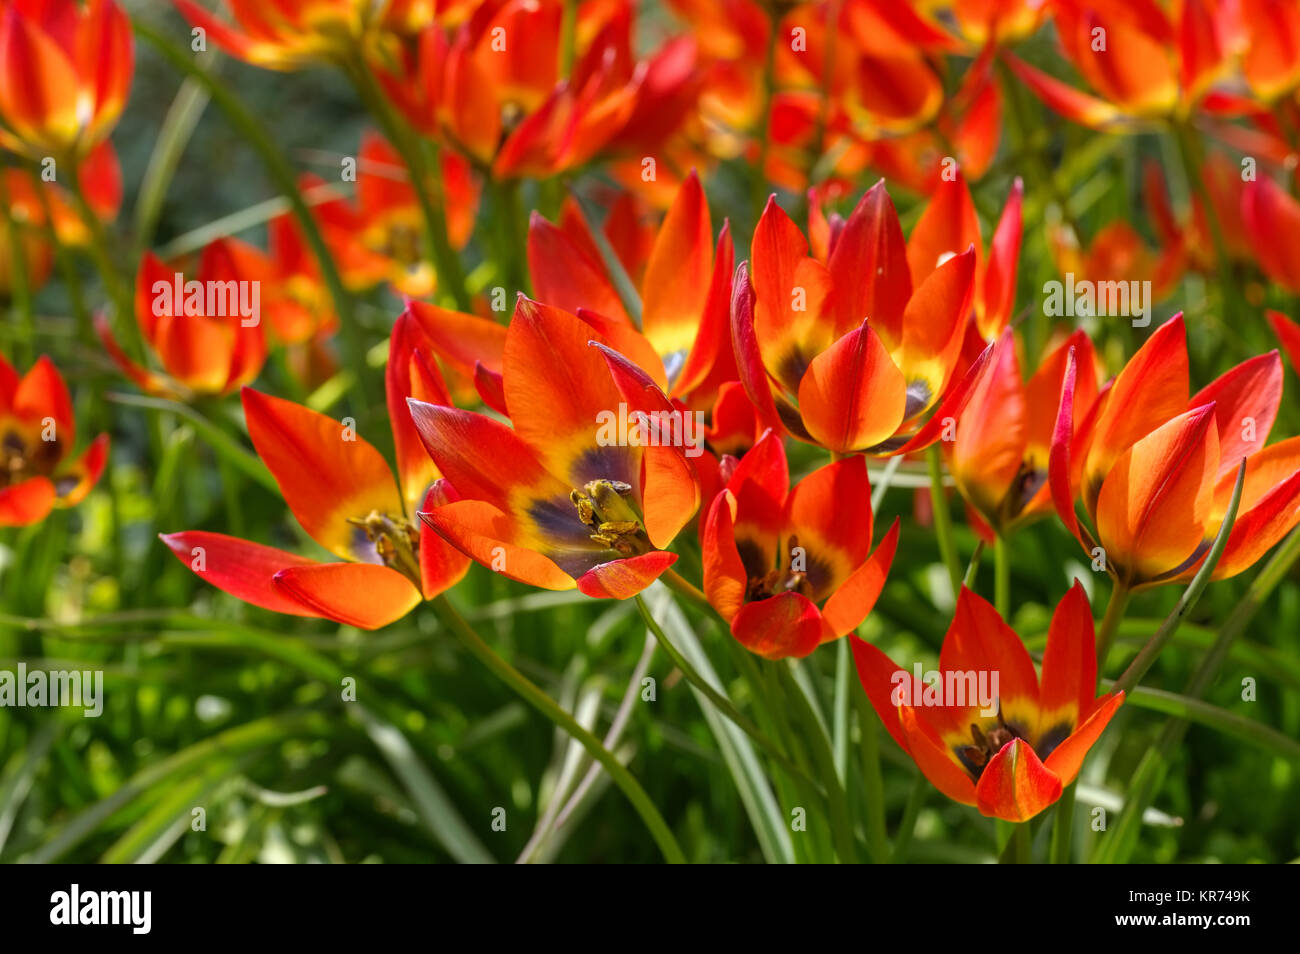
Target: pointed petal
x,y
853,395
853,602
1015,786
327,473
243,569
623,579
494,539
29,501
358,594
780,627
1069,679
1066,759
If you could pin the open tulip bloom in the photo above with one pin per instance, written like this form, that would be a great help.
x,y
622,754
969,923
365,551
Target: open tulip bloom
x,y
1155,470
1011,753
792,568
342,492
37,435
554,499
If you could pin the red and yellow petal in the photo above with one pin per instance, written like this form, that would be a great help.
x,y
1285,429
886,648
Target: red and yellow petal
x,y
849,605
1155,504
852,395
1069,678
76,479
978,640
1246,400
1065,760
327,472
868,263
495,539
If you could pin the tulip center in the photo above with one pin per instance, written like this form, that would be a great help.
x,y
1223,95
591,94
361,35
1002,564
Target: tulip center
x,y
18,461
396,541
986,745
780,579
604,506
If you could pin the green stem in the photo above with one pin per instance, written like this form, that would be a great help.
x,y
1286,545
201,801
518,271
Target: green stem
x,y
20,295
1001,576
907,826
942,519
544,704
427,188
1119,596
1062,826
685,588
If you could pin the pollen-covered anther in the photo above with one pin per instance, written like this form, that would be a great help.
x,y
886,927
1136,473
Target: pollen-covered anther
x,y
604,506
395,540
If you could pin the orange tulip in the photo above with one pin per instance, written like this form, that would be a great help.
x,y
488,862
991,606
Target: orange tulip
x,y
206,332
1155,471
557,500
851,353
1011,752
65,71
342,493
999,457
39,433
792,568
291,34
1143,62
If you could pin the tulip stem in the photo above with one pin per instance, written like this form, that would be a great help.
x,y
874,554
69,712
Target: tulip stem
x,y
20,296
544,704
1119,596
942,519
428,189
686,588
1062,827
907,827
1001,576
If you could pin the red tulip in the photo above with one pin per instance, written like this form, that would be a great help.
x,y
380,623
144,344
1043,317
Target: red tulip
x,y
792,568
1010,754
39,433
343,494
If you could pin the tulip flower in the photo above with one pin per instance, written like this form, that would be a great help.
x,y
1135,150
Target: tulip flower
x,y
32,202
1269,44
65,70
1155,471
558,499
1145,64
999,456
342,492
298,33
1012,752
206,331
792,568
684,342
39,433
488,93
849,353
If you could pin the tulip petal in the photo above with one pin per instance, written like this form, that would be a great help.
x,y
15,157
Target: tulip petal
x,y
26,502
780,627
852,395
1065,759
853,602
1069,679
327,473
1015,785
358,594
622,579
243,569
